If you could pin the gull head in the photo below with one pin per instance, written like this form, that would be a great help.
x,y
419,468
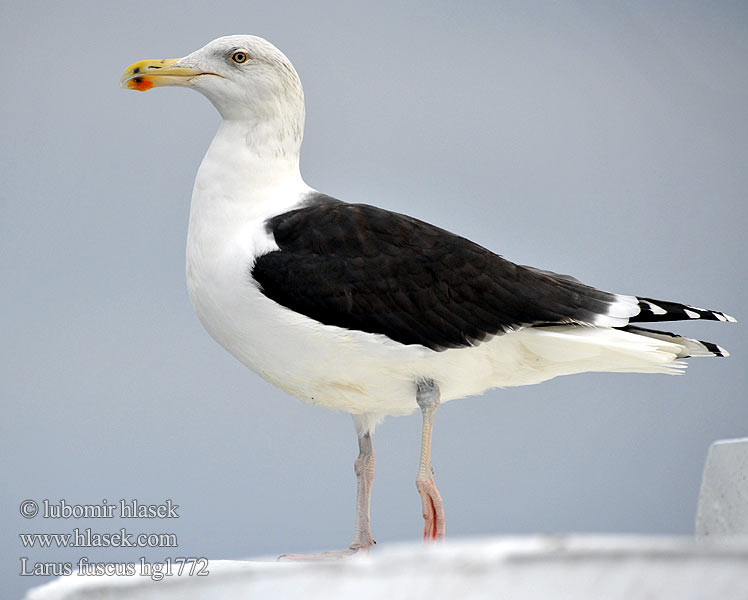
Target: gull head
x,y
244,76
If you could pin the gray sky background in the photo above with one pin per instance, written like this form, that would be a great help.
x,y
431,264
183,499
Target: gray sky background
x,y
596,139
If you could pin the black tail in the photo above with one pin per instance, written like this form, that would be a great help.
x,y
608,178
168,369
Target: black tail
x,y
661,310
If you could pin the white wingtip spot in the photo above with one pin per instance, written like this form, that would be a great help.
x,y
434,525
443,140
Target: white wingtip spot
x,y
730,319
691,315
723,351
658,310
721,317
623,307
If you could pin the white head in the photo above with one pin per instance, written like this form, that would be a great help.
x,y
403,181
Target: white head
x,y
245,77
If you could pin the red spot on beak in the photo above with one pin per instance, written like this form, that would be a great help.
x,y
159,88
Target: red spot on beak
x,y
141,84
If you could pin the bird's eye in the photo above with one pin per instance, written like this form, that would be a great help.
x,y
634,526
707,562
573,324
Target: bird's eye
x,y
239,57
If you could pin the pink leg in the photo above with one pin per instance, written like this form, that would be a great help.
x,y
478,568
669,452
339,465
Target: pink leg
x,y
362,540
364,468
427,396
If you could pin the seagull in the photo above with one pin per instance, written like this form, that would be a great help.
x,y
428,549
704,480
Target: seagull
x,y
360,309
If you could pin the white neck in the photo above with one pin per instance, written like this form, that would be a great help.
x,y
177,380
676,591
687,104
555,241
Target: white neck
x,y
240,181
246,153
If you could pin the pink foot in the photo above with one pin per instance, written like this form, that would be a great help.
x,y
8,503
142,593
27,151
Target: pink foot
x,y
328,554
433,511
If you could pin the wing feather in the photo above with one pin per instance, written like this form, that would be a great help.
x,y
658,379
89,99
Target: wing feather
x,y
361,267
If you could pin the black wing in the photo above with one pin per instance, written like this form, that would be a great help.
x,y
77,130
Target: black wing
x,y
365,268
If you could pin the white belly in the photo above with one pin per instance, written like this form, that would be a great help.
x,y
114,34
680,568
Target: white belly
x,y
345,370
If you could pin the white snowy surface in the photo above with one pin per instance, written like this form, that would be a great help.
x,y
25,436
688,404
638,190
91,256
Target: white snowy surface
x,y
520,568
723,499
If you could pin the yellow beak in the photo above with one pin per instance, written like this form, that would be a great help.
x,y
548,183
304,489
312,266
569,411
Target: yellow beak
x,y
145,74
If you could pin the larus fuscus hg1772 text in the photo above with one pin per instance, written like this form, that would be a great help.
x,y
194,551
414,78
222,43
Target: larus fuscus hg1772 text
x,y
364,310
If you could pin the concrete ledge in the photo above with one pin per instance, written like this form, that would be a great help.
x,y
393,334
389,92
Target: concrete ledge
x,y
723,499
520,568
